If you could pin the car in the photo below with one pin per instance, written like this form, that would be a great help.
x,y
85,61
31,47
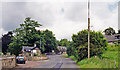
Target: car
x,y
20,59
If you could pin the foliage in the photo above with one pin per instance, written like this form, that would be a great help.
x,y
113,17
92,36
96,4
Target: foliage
x,y
64,56
0,53
80,46
119,31
6,40
109,31
111,55
27,35
36,54
63,42
50,41
70,48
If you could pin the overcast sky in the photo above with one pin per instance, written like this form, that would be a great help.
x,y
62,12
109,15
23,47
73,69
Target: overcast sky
x,y
64,18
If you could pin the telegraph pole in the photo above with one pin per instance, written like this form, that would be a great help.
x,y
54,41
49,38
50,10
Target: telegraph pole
x,y
88,29
40,43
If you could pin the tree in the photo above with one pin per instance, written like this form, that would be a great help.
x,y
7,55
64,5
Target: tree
x,y
29,32
119,31
6,40
109,31
25,35
50,40
63,42
80,46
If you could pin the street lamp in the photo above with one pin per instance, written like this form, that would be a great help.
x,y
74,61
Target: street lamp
x,y
88,29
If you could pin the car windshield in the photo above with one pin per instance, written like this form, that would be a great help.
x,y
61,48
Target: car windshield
x,y
20,57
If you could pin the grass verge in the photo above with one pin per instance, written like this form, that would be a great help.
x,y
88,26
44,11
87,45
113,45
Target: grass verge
x,y
109,59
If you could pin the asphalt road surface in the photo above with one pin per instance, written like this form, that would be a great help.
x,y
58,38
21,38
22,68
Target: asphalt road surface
x,y
56,61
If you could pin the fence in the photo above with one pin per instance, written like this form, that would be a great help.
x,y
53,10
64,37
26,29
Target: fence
x,y
108,63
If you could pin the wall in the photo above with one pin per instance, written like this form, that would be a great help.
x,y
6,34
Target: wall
x,y
0,64
8,62
36,58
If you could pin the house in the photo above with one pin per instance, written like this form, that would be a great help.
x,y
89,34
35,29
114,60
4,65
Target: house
x,y
112,38
62,49
30,51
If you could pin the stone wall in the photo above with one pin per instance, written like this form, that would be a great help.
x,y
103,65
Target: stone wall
x,y
36,58
0,64
8,62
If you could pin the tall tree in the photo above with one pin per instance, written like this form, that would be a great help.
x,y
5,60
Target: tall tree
x,y
80,46
25,35
63,42
50,40
109,31
6,40
119,31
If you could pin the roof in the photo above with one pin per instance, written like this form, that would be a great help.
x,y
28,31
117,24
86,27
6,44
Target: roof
x,y
28,49
112,38
35,47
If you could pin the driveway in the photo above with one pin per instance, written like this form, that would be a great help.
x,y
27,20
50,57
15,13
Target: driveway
x,y
56,61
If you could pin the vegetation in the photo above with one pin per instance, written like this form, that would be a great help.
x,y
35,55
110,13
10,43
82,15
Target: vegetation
x,y
79,45
109,31
106,60
6,40
50,41
0,53
63,42
27,35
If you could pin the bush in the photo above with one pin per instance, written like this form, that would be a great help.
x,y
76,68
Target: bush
x,y
80,44
36,54
0,53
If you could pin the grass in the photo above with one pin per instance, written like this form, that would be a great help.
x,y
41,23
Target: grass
x,y
108,59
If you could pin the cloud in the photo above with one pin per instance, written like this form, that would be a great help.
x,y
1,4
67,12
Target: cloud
x,y
12,15
102,17
63,18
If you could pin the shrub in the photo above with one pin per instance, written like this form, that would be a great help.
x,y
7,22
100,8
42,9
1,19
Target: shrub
x,y
36,54
80,44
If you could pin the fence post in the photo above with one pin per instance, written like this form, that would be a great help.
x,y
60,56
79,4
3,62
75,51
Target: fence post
x,y
110,63
115,63
101,58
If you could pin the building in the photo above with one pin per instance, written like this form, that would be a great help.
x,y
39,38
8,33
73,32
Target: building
x,y
62,49
30,51
112,38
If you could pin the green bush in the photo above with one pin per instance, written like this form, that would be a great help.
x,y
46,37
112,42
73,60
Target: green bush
x,y
36,54
80,44
0,53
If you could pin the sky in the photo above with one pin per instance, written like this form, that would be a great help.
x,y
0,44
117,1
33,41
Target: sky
x,y
64,17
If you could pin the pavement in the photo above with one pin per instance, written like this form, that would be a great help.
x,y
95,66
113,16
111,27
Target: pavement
x,y
56,61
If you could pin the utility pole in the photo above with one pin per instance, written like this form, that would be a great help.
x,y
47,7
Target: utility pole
x,y
88,29
40,43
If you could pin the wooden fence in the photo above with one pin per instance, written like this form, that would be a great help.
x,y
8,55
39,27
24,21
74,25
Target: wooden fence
x,y
109,63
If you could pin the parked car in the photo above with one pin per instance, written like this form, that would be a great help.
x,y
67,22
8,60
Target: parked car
x,y
20,59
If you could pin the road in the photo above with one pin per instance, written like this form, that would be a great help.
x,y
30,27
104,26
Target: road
x,y
56,61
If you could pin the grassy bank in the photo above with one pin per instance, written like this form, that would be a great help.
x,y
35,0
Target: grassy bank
x,y
109,59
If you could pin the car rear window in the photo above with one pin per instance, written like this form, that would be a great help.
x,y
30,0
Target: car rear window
x,y
20,57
